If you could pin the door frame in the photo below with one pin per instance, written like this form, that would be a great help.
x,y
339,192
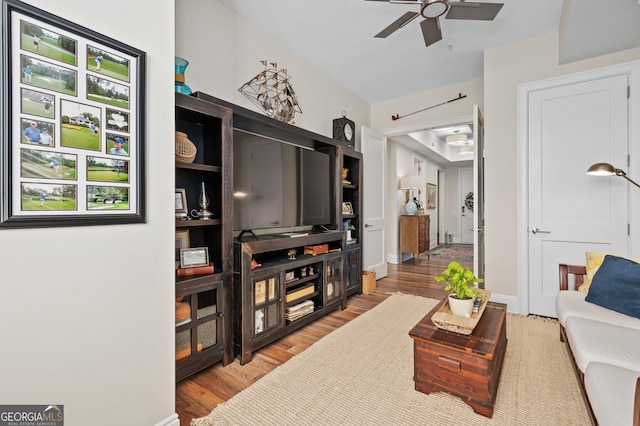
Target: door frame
x,y
632,70
396,131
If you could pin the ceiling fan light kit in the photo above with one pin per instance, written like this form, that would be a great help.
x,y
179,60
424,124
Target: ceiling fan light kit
x,y
432,10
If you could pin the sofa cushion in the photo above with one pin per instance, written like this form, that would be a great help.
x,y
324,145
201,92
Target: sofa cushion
x,y
616,286
611,391
593,261
571,303
595,341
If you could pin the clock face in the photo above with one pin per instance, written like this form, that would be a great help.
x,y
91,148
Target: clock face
x,y
348,131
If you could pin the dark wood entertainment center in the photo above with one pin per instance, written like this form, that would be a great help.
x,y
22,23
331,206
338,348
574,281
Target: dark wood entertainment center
x,y
238,309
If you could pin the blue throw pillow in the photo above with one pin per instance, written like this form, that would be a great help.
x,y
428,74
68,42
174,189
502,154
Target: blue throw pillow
x,y
616,286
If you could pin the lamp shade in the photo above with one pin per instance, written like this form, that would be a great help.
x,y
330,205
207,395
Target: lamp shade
x,y
410,182
606,169
601,169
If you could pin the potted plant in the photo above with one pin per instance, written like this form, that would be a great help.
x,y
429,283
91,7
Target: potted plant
x,y
460,281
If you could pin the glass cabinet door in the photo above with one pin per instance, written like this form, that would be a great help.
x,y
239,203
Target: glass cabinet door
x,y
333,279
267,311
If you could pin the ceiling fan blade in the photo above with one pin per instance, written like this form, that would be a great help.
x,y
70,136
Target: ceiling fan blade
x,y
397,24
399,1
474,11
431,31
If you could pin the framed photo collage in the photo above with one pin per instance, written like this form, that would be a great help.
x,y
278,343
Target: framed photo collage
x,y
73,119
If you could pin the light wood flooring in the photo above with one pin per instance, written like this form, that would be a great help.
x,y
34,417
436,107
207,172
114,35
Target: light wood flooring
x,y
197,395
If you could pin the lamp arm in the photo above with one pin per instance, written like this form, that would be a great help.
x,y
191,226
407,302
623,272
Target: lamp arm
x,y
630,180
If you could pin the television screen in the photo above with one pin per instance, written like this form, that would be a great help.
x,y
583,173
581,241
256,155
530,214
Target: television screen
x,y
279,185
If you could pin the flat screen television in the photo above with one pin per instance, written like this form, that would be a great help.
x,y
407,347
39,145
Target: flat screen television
x,y
278,184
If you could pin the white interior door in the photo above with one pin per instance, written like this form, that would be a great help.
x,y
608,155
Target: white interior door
x,y
569,128
374,158
478,193
466,213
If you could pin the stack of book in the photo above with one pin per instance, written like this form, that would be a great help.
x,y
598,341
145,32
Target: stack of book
x,y
298,311
195,270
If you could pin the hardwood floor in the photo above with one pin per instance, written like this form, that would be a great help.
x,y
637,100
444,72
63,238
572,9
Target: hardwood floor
x,y
197,395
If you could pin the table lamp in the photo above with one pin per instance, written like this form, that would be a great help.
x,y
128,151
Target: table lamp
x,y
410,182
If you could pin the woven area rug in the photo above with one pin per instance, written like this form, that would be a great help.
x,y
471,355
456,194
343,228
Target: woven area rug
x,y
361,374
453,251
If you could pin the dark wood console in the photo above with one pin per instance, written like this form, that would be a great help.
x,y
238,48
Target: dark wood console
x,y
288,290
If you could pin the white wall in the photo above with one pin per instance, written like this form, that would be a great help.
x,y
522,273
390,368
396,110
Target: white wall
x,y
87,312
224,52
505,68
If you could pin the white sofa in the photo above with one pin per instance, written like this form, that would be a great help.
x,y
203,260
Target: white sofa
x,y
605,350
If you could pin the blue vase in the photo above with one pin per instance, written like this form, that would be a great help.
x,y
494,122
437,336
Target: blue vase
x,y
180,67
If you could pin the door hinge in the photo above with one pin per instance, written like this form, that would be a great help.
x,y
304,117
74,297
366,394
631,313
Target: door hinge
x,y
628,229
628,92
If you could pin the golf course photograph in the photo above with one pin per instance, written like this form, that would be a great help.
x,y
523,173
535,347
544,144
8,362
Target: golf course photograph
x,y
107,92
80,126
36,163
52,197
107,170
37,103
45,42
108,64
48,76
107,198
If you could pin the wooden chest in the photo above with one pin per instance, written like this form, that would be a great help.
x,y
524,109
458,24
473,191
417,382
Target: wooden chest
x,y
467,366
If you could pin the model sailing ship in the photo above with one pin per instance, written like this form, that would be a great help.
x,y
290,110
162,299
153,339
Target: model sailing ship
x,y
271,91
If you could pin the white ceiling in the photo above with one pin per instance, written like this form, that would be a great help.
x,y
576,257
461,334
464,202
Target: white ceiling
x,y
337,37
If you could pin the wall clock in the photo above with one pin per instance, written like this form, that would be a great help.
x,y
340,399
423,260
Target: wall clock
x,y
344,130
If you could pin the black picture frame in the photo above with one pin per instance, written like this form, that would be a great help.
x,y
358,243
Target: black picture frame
x,y
62,195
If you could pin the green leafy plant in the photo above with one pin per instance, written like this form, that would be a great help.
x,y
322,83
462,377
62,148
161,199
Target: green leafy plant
x,y
459,280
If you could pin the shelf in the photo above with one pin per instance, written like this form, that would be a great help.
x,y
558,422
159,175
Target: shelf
x,y
198,166
302,280
207,338
186,223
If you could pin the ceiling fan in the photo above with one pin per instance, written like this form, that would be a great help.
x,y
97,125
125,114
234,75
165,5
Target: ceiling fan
x,y
431,12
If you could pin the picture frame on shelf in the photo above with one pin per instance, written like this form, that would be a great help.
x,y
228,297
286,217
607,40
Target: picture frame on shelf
x,y
347,207
432,195
53,79
182,241
191,257
182,209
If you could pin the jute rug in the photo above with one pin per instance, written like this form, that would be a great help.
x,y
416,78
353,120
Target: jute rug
x,y
362,374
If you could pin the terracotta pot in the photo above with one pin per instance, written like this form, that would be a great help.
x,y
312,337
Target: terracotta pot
x,y
461,307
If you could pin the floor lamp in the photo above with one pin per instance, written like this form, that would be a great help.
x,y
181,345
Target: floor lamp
x,y
606,169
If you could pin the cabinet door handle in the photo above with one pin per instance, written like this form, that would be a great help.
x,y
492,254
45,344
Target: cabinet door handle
x,y
366,225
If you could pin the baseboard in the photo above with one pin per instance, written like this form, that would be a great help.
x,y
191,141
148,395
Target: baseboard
x,y
512,302
170,421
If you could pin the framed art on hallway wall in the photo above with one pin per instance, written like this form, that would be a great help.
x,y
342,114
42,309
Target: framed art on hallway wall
x,y
432,195
72,147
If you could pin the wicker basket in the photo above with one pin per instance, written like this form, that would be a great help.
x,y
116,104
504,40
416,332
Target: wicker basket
x,y
185,149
